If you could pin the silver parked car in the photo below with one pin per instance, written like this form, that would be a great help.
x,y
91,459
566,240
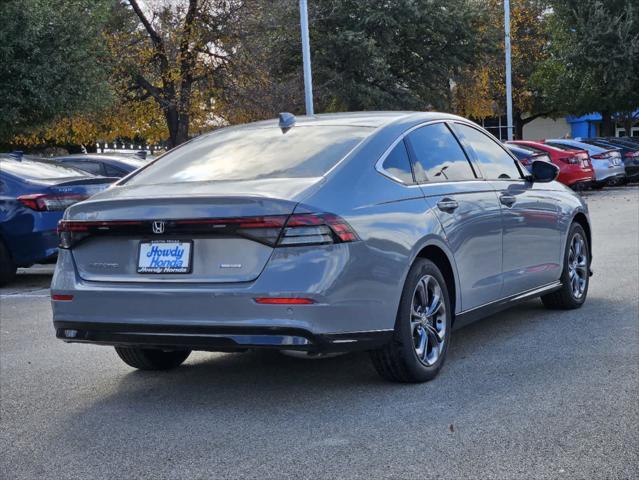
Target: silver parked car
x,y
363,231
607,162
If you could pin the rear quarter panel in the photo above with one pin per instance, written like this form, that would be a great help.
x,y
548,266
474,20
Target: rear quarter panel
x,y
393,221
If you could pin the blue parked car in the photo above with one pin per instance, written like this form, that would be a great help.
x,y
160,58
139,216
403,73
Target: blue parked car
x,y
107,165
33,197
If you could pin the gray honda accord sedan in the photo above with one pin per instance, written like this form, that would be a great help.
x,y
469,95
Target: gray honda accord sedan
x,y
379,231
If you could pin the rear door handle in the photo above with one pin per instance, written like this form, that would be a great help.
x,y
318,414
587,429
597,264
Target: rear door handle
x,y
447,204
507,200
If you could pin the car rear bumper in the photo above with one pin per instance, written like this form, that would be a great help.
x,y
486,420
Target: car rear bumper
x,y
581,184
608,173
347,300
212,338
632,172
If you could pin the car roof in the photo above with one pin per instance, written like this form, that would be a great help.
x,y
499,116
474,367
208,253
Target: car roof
x,y
373,119
110,159
35,169
580,145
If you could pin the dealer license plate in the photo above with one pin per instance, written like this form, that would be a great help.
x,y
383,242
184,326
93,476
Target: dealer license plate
x,y
165,256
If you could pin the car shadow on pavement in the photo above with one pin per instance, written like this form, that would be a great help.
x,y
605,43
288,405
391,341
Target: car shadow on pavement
x,y
26,282
246,378
491,362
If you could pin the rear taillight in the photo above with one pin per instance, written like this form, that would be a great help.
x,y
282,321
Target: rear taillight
x,y
42,202
600,156
632,154
274,230
316,228
574,159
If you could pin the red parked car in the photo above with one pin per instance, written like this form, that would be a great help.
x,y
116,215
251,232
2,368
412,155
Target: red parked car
x,y
575,169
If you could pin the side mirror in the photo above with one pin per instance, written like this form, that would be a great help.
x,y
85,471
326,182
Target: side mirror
x,y
543,172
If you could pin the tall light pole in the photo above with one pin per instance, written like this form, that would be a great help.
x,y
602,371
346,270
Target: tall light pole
x,y
306,58
509,85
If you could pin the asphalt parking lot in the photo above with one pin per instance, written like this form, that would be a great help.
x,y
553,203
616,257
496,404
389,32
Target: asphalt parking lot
x,y
528,393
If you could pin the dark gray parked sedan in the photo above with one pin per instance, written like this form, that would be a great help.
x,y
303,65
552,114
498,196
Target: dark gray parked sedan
x,y
364,231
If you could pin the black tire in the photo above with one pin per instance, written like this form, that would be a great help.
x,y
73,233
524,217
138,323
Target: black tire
x,y
7,267
398,360
598,185
152,359
565,298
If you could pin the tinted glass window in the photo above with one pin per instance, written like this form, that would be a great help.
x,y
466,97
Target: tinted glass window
x,y
112,171
33,170
494,162
255,153
438,155
397,164
90,167
520,153
560,146
532,149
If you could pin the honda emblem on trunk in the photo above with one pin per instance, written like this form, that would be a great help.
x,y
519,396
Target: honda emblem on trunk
x,y
158,227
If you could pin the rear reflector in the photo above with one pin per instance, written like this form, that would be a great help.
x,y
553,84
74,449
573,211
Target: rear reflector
x,y
284,301
62,298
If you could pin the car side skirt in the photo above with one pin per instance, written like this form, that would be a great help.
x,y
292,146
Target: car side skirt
x,y
470,316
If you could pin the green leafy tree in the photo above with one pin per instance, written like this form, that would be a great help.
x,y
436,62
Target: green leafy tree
x,y
593,63
366,54
51,62
176,54
482,91
392,55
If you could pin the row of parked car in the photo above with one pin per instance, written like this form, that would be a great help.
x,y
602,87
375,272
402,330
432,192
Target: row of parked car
x,y
584,162
34,192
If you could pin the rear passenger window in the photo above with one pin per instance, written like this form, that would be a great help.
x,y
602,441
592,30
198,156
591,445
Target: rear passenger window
x,y
493,160
397,164
438,155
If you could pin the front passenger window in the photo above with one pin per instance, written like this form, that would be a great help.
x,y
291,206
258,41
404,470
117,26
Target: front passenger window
x,y
493,160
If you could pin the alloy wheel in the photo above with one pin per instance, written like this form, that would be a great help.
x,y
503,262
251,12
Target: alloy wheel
x,y
578,266
428,320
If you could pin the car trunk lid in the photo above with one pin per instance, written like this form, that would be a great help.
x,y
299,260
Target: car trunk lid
x,y
224,233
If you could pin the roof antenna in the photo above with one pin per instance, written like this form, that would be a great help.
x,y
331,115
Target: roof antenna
x,y
287,121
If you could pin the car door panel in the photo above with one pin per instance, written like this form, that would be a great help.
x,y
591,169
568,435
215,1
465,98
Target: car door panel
x,y
530,217
531,236
467,209
473,230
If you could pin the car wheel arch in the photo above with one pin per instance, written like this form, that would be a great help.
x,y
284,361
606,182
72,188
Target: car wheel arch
x,y
439,255
582,220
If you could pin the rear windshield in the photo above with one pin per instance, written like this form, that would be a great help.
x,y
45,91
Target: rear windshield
x,y
532,149
34,171
255,153
578,146
521,152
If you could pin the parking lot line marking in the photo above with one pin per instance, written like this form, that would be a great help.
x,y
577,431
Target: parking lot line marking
x,y
24,295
